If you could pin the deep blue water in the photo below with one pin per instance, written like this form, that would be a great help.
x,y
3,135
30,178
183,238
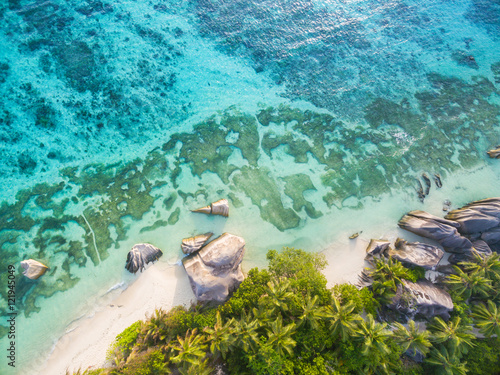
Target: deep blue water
x,y
122,115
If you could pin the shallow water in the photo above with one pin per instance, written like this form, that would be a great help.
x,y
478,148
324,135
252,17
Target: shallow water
x,y
315,118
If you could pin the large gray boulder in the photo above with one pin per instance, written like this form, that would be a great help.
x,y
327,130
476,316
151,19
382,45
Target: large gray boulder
x,y
478,216
423,298
33,269
433,227
376,247
479,248
215,271
416,253
140,255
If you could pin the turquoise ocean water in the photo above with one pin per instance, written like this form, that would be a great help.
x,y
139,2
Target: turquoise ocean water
x,y
316,119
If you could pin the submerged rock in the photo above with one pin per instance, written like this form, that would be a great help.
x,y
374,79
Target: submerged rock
x,y
433,227
192,244
140,255
437,181
376,247
416,253
215,271
221,207
495,153
422,298
33,269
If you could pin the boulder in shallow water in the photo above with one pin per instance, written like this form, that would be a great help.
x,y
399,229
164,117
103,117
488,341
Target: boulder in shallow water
x,y
416,253
140,255
376,247
422,298
192,244
33,269
221,207
495,153
433,227
215,271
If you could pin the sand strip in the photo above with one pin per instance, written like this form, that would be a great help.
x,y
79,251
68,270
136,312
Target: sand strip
x,y
85,347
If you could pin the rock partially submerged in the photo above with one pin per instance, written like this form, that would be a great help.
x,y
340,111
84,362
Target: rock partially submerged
x,y
376,247
33,269
422,298
478,216
215,271
140,255
192,244
221,207
416,253
495,153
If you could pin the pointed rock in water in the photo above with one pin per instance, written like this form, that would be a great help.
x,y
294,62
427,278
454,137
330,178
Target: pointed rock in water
x,y
420,192
427,181
215,271
221,207
192,244
495,153
438,229
33,269
376,247
422,298
416,253
140,255
437,180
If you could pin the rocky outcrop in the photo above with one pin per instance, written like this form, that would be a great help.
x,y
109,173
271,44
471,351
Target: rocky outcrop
x,y
441,230
221,207
416,253
215,270
376,247
33,269
140,255
423,298
192,244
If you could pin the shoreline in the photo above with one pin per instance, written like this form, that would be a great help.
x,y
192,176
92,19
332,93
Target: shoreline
x,y
85,346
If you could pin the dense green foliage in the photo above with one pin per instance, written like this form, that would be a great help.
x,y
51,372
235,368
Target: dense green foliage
x,y
284,320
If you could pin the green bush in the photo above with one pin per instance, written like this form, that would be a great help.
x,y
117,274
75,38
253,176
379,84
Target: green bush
x,y
484,358
125,341
302,269
362,298
247,295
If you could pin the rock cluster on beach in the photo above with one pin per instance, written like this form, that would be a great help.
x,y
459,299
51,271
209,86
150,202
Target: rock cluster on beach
x,y
215,270
465,232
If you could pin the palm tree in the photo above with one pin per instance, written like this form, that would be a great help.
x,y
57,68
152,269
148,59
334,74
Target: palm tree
x,y
373,336
411,338
189,351
220,337
456,337
155,329
469,284
447,362
312,313
489,264
280,337
342,319
487,319
278,295
387,270
246,334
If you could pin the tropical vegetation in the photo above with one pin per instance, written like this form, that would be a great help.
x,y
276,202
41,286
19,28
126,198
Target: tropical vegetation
x,y
284,320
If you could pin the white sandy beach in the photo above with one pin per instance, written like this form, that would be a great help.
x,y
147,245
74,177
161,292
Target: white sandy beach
x,y
161,285
85,347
